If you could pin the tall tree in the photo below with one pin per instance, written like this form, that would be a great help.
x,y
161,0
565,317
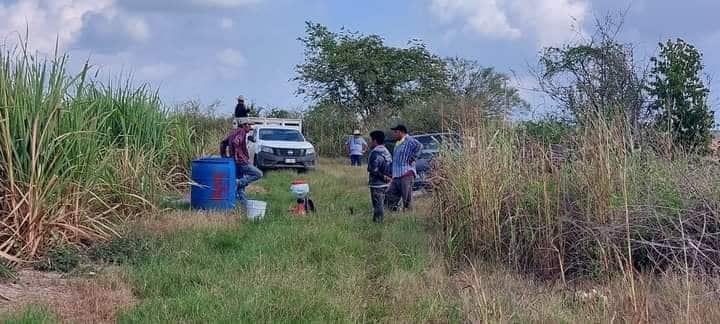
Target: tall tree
x,y
679,95
484,87
594,77
362,74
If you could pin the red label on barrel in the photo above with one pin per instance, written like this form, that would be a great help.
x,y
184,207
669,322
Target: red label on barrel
x,y
218,190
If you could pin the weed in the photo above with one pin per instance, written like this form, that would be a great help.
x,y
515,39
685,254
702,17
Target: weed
x,y
121,250
7,272
61,259
32,314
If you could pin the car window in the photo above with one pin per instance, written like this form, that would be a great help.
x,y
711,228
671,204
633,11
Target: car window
x,y
428,142
276,134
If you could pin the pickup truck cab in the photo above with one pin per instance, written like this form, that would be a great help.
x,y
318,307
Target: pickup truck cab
x,y
279,143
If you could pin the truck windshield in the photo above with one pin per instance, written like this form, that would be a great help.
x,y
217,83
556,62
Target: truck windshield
x,y
286,135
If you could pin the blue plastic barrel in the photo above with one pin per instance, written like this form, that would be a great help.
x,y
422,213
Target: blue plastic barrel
x,y
214,185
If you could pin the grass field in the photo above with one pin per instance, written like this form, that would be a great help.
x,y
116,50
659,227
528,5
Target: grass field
x,y
335,266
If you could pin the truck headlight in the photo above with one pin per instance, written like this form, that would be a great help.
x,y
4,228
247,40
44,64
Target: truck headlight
x,y
266,149
310,151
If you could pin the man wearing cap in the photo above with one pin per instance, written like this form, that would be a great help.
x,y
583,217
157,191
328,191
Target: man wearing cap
x,y
237,142
405,153
356,147
240,109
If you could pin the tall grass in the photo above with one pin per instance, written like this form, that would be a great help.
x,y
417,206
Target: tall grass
x,y
602,207
76,154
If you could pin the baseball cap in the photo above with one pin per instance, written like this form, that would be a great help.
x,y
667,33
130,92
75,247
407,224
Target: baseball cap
x,y
356,132
400,127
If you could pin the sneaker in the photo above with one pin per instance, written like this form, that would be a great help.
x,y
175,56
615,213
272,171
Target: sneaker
x,y
241,199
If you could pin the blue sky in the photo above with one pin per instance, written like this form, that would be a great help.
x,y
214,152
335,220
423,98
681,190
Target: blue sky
x,y
217,49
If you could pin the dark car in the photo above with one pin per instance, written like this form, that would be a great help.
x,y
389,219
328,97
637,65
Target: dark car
x,y
432,144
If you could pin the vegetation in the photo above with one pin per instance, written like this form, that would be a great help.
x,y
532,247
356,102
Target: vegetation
x,y
32,315
76,154
355,81
333,266
59,259
547,207
364,76
680,99
595,76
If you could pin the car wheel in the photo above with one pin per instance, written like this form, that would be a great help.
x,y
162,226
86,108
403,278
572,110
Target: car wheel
x,y
257,164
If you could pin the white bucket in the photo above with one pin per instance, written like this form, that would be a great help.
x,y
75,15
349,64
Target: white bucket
x,y
300,190
256,209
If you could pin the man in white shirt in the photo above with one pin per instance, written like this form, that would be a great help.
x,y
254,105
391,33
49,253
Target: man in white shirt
x,y
356,148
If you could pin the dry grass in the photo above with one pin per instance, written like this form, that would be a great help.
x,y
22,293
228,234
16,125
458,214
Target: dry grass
x,y
607,208
174,221
491,295
76,300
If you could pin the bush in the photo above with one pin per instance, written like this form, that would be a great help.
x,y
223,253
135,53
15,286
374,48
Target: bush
x,y
605,208
7,272
60,259
76,154
121,250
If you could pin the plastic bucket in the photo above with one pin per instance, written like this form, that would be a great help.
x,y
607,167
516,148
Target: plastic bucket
x,y
300,189
256,209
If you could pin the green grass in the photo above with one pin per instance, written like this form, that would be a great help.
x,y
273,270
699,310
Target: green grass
x,y
32,314
333,266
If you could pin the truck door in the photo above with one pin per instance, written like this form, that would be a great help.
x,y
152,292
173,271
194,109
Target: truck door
x,y
251,143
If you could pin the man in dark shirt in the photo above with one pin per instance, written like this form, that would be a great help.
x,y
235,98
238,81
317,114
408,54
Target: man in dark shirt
x,y
246,173
379,171
240,109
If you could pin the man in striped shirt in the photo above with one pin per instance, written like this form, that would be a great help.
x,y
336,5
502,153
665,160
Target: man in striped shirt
x,y
405,153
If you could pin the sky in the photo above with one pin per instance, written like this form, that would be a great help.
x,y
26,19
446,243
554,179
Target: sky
x,y
215,50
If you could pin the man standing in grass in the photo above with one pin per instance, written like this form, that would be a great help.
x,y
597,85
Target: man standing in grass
x,y
379,171
356,147
246,173
403,168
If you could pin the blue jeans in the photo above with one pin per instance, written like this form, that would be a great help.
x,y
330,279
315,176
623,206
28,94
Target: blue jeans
x,y
356,160
246,175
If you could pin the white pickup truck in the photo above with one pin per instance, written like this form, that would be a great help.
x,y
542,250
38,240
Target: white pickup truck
x,y
277,143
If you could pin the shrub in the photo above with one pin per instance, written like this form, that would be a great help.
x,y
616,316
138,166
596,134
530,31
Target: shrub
x,y
60,259
607,208
121,250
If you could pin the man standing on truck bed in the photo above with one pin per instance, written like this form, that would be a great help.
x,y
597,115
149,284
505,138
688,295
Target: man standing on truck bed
x,y
240,109
403,168
246,173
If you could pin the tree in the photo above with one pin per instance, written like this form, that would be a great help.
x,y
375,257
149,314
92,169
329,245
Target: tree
x,y
594,77
282,113
679,95
363,75
485,88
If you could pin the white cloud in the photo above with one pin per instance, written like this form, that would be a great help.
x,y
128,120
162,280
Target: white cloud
x,y
47,20
227,23
547,21
231,58
137,28
226,4
185,5
159,71
483,16
553,20
65,21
